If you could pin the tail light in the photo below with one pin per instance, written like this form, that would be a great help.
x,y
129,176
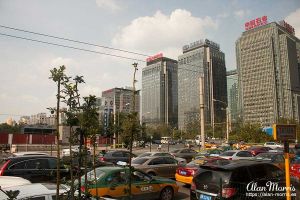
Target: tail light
x,y
102,159
293,168
228,192
4,167
253,153
229,158
82,188
193,186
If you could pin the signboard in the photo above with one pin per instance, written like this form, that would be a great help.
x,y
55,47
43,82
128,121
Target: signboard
x,y
151,58
288,27
256,23
284,132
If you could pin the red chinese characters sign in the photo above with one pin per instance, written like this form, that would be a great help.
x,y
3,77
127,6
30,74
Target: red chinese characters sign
x,y
256,22
288,27
151,58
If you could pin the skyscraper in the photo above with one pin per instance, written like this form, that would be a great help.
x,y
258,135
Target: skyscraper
x,y
232,94
201,58
268,64
159,87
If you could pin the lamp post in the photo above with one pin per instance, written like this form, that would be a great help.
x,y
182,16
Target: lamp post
x,y
227,118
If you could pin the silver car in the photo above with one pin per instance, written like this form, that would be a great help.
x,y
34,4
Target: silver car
x,y
237,155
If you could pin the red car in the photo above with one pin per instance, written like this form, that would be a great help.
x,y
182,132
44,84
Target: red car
x,y
255,150
295,169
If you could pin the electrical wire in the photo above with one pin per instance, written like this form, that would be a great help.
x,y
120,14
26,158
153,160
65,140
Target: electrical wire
x,y
71,40
71,47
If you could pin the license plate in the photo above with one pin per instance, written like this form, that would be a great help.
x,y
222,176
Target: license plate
x,y
182,172
204,197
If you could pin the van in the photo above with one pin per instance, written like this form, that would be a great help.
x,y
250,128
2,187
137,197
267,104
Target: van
x,y
165,140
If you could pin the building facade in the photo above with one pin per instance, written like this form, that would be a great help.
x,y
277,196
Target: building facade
x,y
268,58
160,92
232,95
202,58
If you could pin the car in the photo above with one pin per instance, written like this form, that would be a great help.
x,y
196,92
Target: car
x,y
209,152
186,153
295,169
75,149
29,153
115,156
112,182
233,180
153,153
185,174
273,145
157,166
258,149
275,158
236,155
36,191
10,181
35,168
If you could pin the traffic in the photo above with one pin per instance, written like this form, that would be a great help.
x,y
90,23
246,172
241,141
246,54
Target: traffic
x,y
222,171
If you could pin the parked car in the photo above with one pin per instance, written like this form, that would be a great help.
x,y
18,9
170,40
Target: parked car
x,y
295,169
187,154
36,191
275,158
113,182
75,149
236,155
273,145
10,181
258,149
181,161
36,168
185,174
209,152
231,180
115,156
157,166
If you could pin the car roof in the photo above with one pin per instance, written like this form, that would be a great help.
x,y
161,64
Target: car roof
x,y
28,157
37,189
10,181
29,153
236,164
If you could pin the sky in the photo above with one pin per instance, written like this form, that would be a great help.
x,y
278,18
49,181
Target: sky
x,y
140,26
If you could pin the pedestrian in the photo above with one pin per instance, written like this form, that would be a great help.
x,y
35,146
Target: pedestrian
x,y
159,147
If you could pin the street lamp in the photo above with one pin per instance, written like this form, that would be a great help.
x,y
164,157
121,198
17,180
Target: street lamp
x,y
227,118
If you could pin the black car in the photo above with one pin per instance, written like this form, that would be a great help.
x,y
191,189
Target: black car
x,y
115,156
35,168
237,180
187,154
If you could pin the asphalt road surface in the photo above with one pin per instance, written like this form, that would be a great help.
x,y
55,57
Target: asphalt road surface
x,y
183,193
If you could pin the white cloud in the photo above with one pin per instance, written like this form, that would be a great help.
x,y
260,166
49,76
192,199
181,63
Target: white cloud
x,y
112,5
152,34
294,20
241,13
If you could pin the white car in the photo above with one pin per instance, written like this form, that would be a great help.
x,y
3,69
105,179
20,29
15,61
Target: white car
x,y
10,181
237,155
30,153
41,191
75,149
273,145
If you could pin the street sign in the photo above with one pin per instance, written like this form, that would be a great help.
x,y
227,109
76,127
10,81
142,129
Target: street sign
x,y
284,132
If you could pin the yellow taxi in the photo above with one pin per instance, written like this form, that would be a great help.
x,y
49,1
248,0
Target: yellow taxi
x,y
186,174
113,182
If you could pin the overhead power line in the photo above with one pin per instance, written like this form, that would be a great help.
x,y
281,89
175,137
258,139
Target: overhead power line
x,y
71,40
71,47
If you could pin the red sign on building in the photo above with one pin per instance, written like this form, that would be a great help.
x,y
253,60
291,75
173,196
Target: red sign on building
x,y
151,58
288,27
256,22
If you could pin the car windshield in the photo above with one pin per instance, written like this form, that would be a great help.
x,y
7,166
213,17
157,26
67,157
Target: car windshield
x,y
144,155
196,163
264,156
99,174
175,151
139,161
228,153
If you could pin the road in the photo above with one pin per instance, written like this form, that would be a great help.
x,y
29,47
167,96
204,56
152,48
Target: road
x,y
183,193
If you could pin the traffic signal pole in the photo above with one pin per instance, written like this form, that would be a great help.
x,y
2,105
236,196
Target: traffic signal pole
x,y
287,170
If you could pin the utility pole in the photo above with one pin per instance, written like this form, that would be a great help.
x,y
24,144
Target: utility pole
x,y
227,125
201,88
133,121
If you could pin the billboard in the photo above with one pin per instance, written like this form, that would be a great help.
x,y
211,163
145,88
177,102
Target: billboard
x,y
151,58
260,21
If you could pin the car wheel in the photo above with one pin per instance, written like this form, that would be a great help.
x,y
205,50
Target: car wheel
x,y
151,174
167,194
